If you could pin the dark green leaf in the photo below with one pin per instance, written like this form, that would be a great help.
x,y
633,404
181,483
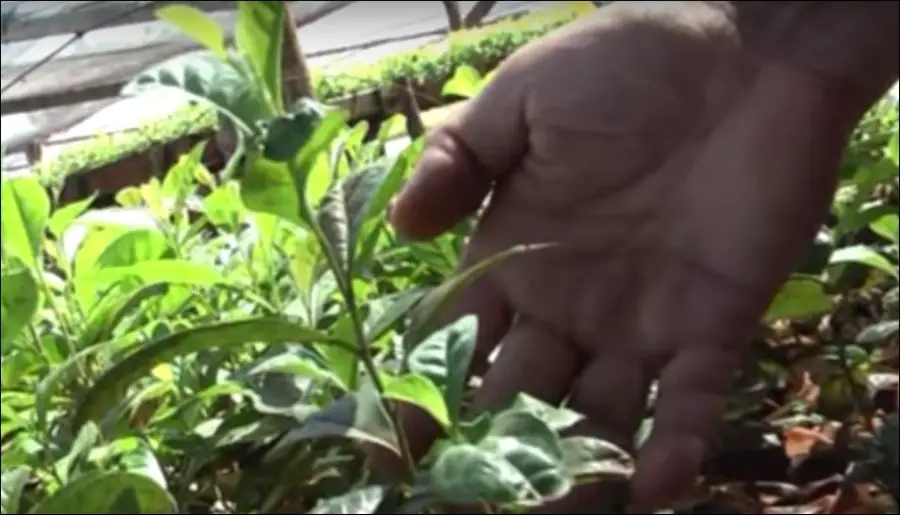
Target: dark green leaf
x,y
878,332
397,306
332,218
286,135
126,501
106,315
98,492
357,416
203,76
292,364
519,461
444,357
426,314
465,473
110,386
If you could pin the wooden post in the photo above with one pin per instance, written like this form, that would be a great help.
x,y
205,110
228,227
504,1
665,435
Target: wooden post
x,y
454,18
295,79
481,9
34,151
409,106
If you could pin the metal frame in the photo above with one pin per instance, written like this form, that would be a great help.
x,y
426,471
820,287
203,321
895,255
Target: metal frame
x,y
109,14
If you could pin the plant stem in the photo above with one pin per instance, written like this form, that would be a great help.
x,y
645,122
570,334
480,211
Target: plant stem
x,y
346,288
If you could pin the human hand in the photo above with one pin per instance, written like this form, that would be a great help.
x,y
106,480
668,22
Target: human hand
x,y
680,176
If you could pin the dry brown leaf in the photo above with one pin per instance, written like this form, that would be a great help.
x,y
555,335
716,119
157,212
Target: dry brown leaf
x,y
799,442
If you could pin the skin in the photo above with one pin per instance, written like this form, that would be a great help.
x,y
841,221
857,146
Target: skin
x,y
682,155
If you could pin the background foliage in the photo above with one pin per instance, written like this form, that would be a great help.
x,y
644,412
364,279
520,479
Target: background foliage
x,y
224,344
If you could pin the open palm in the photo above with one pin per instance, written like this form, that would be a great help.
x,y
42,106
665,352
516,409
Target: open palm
x,y
680,178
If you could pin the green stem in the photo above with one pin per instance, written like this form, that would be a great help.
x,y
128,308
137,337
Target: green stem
x,y
346,289
67,330
38,347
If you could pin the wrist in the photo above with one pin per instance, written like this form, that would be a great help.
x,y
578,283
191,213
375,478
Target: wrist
x,y
851,48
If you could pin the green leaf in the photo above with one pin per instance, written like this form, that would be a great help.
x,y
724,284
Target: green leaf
x,y
585,456
106,315
12,484
426,314
18,299
196,25
63,217
203,76
98,492
258,34
333,220
363,500
88,437
357,415
126,501
281,188
312,179
168,271
180,181
556,417
800,297
518,463
361,189
864,255
398,304
418,390
465,82
888,227
106,249
113,383
142,460
171,271
465,473
878,332
527,428
892,151
287,134
444,358
24,210
224,208
48,383
269,187
292,364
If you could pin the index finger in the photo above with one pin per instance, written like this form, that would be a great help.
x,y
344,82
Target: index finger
x,y
480,143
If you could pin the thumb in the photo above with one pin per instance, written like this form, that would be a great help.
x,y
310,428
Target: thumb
x,y
461,160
